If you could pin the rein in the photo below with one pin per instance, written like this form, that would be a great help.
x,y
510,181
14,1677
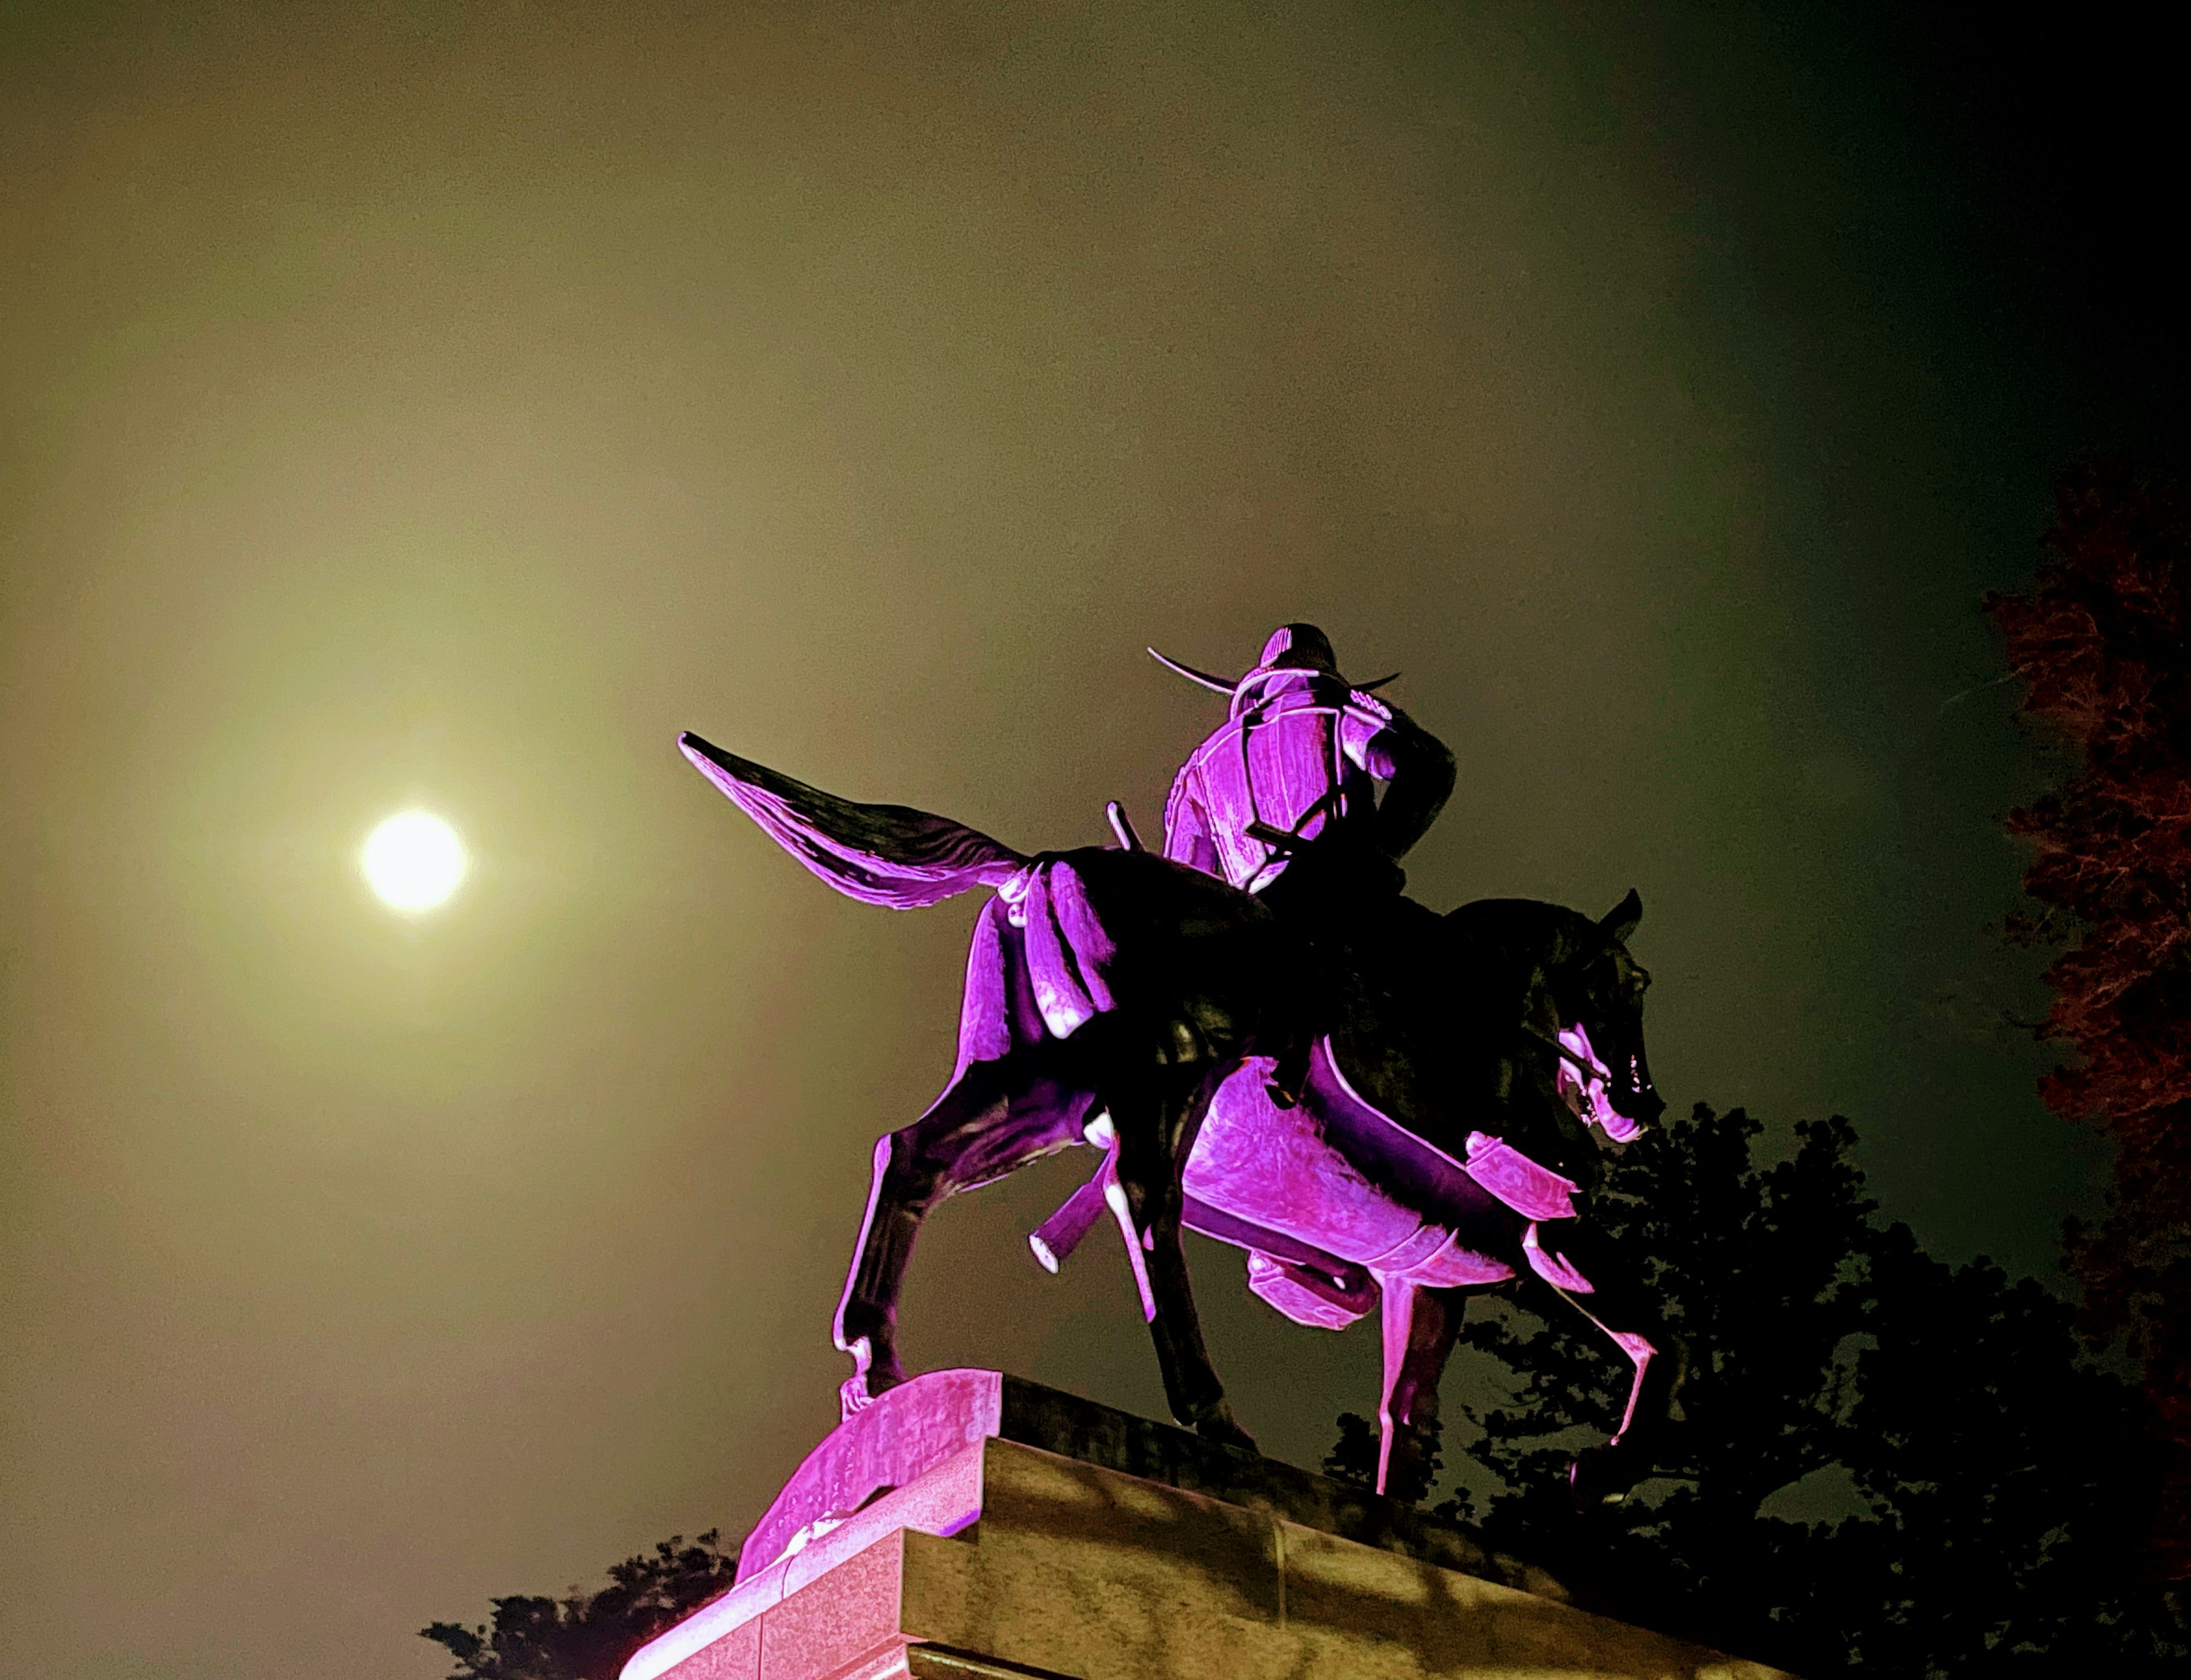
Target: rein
x,y
1560,1052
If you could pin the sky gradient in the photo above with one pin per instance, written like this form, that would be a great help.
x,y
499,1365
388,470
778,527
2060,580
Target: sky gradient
x,y
447,406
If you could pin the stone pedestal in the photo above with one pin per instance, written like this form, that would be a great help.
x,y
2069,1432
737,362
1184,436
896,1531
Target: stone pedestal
x,y
973,1525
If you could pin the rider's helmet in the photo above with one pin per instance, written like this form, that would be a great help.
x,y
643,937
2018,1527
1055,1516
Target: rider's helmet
x,y
1301,646
1291,648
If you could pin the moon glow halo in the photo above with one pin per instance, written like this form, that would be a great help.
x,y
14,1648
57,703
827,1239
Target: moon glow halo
x,y
413,861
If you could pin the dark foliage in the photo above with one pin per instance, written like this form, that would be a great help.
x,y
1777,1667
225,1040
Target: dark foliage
x,y
1880,1462
2102,642
589,1636
1354,1456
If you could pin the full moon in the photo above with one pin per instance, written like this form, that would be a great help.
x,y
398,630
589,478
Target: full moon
x,y
413,861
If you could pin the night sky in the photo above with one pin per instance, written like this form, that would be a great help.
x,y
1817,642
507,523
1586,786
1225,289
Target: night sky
x,y
447,405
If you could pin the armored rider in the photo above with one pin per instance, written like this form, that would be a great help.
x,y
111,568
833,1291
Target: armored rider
x,y
1280,799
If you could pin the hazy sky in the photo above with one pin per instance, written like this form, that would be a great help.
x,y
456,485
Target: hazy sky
x,y
446,404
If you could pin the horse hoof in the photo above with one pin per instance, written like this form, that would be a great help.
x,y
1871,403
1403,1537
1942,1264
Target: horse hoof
x,y
857,1394
871,1379
1223,1429
1595,1480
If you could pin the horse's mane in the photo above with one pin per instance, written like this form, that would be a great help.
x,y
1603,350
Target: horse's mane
x,y
1527,930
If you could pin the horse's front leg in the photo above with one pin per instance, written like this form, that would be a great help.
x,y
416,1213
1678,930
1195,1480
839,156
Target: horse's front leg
x,y
1156,1122
1420,1327
1607,1475
1579,1268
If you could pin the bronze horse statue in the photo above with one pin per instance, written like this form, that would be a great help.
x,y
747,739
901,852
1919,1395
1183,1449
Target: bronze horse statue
x,y
1430,1144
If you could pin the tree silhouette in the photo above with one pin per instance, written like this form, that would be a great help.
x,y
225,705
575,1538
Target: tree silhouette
x,y
590,1636
1880,1463
2102,642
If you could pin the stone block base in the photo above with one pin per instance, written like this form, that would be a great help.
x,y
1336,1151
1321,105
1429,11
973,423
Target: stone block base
x,y
1002,1558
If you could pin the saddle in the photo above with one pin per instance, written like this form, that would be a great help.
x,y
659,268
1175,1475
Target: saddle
x,y
1309,1283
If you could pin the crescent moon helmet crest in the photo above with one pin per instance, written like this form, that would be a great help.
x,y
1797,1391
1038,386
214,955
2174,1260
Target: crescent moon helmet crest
x,y
1221,685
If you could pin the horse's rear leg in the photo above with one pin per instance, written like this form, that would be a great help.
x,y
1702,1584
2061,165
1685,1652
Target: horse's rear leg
x,y
899,1195
1420,1326
1156,1124
974,1133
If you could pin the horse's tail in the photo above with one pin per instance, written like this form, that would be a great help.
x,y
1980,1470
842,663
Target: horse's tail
x,y
885,854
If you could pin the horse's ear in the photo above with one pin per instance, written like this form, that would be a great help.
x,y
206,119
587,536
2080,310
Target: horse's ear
x,y
1623,918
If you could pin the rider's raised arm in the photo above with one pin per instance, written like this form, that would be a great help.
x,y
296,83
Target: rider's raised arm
x,y
1187,837
1413,764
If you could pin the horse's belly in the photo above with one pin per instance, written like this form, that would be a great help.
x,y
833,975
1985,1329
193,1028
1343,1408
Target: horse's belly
x,y
1273,1168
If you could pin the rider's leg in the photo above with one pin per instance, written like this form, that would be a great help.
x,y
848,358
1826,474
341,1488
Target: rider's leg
x,y
1156,1118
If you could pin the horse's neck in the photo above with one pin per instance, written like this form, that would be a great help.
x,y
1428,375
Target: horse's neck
x,y
1526,929
1514,946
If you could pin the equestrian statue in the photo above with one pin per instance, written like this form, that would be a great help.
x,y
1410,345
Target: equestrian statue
x,y
1269,1042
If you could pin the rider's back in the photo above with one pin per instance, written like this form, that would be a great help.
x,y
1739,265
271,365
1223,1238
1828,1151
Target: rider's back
x,y
1288,769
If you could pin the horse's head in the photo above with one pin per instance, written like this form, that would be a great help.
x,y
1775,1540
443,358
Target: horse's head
x,y
1604,1075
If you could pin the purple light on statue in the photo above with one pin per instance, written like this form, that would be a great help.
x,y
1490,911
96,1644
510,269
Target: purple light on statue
x,y
1582,1084
1248,990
